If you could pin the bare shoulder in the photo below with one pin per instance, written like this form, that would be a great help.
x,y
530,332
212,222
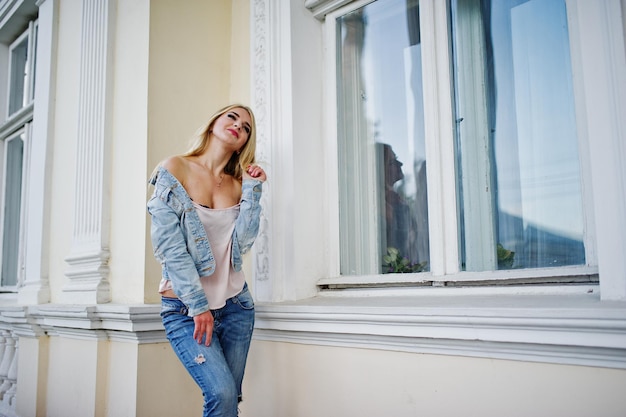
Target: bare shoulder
x,y
178,166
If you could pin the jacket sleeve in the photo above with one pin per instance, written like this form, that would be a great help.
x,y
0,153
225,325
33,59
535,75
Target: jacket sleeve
x,y
247,224
170,248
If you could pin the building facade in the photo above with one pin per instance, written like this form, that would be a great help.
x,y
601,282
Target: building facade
x,y
443,226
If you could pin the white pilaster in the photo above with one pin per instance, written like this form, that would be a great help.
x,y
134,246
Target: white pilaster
x,y
597,29
287,105
88,261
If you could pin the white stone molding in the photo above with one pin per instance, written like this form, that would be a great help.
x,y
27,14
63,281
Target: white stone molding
x,y
117,322
261,97
598,46
7,380
272,97
578,331
88,261
7,9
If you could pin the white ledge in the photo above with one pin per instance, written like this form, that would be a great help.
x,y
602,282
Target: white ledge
x,y
119,322
118,317
568,329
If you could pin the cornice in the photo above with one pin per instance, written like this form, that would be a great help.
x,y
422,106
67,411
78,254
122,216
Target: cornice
x,y
573,330
124,323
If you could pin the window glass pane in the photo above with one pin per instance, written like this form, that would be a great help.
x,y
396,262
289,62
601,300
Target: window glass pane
x,y
382,160
517,146
12,205
17,85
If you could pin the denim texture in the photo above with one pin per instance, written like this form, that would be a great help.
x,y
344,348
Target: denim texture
x,y
218,368
180,242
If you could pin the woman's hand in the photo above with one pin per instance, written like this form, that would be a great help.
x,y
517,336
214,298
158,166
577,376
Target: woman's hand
x,y
204,327
254,172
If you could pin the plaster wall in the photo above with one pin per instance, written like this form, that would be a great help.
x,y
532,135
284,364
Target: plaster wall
x,y
148,380
32,371
188,79
122,381
77,377
284,379
240,77
128,151
164,388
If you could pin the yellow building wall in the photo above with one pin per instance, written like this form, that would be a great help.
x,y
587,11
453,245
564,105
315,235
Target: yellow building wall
x,y
289,380
77,377
164,388
190,77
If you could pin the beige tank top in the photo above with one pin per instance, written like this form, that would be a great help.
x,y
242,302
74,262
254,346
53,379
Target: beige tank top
x,y
225,282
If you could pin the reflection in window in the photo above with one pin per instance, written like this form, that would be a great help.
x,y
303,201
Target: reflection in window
x,y
382,160
518,166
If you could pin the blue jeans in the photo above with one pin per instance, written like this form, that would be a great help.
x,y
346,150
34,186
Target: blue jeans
x,y
218,368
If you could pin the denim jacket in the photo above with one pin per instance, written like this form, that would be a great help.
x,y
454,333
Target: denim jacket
x,y
180,242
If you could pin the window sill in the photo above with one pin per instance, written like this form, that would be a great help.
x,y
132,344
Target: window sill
x,y
574,328
560,275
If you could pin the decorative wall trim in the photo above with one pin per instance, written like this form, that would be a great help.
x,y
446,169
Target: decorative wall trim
x,y
7,8
88,261
13,14
555,354
261,83
598,47
576,330
115,322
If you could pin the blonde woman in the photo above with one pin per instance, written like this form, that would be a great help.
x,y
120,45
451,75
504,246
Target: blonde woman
x,y
205,216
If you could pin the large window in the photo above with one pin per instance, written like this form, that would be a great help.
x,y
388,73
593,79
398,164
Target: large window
x,y
517,176
14,140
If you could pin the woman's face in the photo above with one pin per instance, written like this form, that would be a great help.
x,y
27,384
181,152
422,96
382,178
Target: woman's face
x,y
233,128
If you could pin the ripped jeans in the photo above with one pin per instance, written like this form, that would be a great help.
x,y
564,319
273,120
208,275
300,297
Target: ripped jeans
x,y
218,368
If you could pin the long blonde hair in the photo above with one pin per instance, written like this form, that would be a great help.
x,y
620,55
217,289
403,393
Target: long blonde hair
x,y
239,161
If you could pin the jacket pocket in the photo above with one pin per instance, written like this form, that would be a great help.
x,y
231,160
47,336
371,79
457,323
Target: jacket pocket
x,y
244,299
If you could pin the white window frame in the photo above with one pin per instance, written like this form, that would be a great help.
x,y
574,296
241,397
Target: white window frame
x,y
29,83
22,134
441,178
19,123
